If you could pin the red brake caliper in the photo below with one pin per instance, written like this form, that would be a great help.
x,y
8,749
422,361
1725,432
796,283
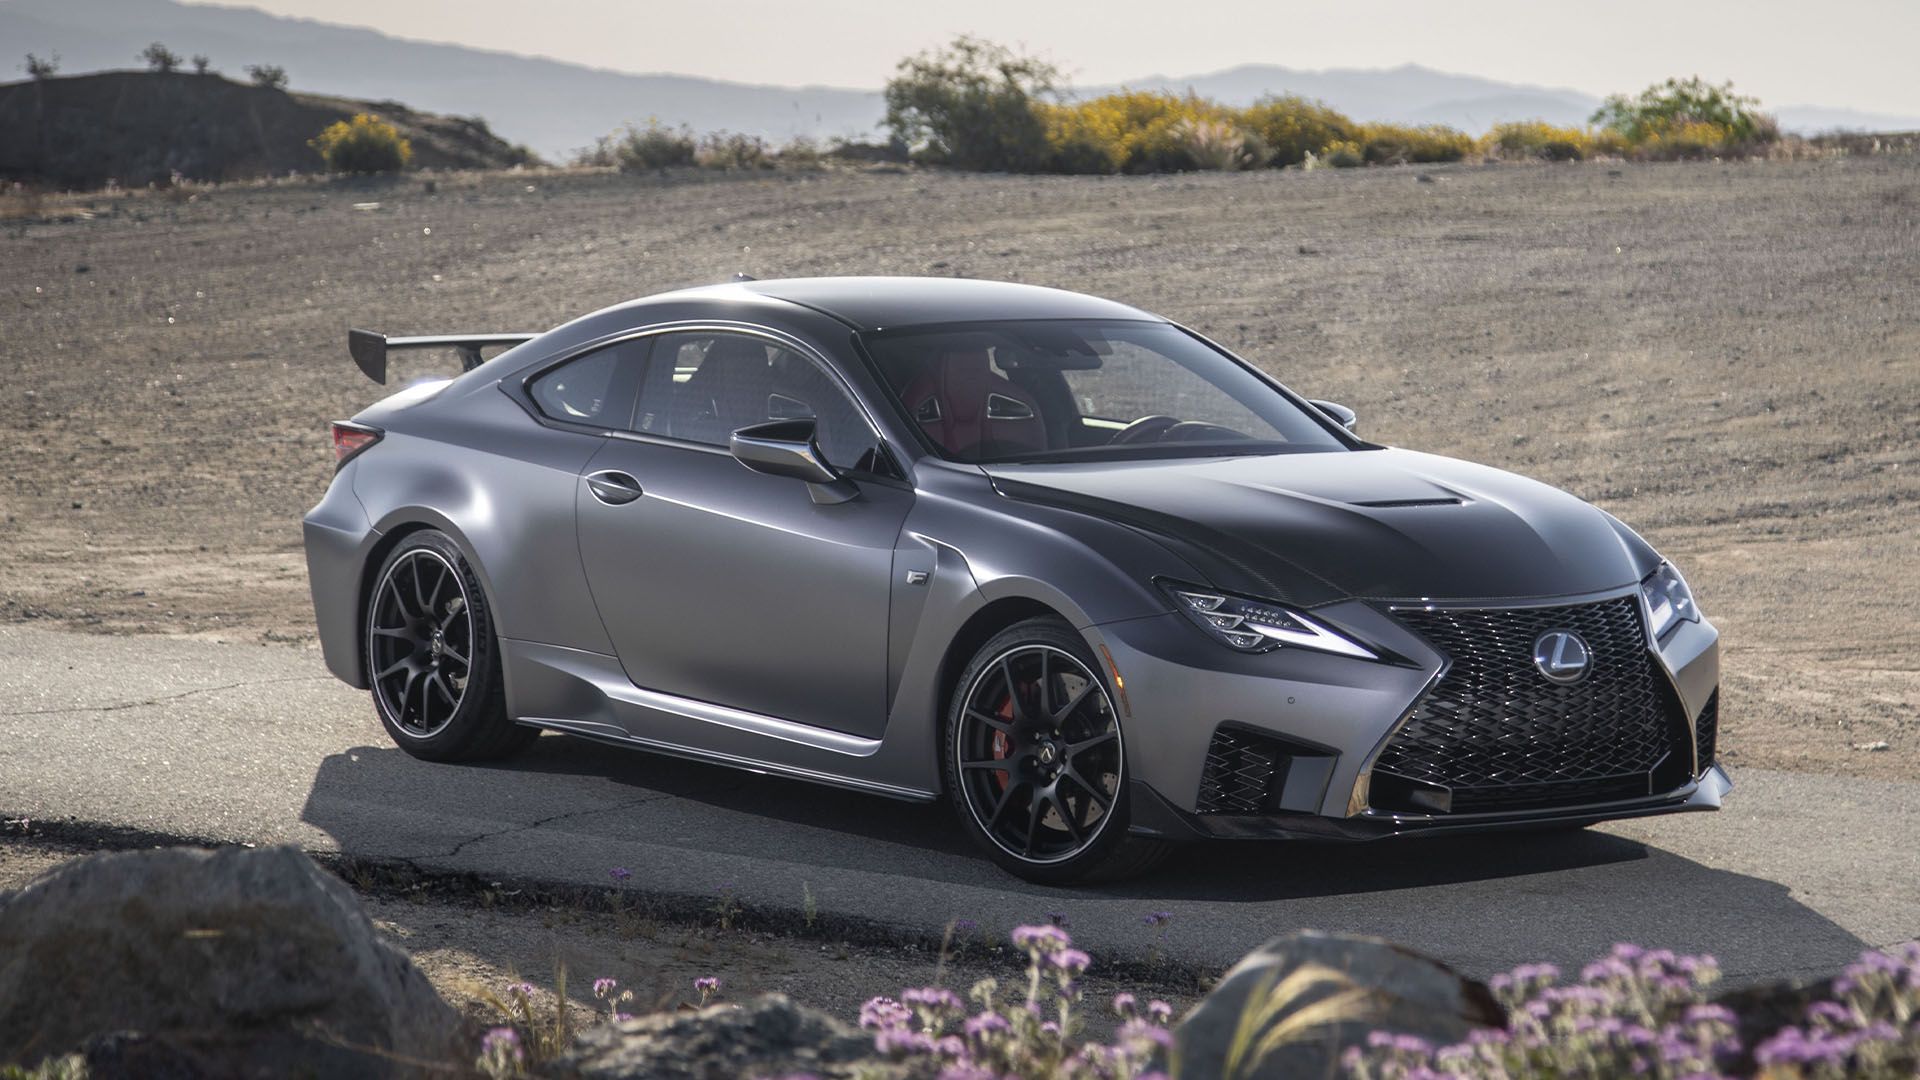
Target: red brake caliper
x,y
1002,746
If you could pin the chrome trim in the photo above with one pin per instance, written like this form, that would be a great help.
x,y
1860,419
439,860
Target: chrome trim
x,y
1357,801
752,723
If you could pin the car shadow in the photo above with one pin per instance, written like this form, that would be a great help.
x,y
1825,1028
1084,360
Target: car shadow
x,y
570,810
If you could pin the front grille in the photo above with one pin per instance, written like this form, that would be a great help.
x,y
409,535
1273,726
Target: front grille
x,y
1239,774
1705,730
1500,736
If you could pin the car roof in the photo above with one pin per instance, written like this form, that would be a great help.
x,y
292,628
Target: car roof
x,y
878,303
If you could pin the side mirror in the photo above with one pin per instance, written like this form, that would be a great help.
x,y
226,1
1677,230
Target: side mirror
x,y
1341,415
788,448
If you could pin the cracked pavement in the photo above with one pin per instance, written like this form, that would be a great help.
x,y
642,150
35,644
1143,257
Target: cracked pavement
x,y
258,744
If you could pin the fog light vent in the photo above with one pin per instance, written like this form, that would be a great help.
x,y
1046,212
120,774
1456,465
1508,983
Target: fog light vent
x,y
1240,773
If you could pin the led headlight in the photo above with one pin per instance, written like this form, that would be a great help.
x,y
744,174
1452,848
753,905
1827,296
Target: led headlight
x,y
1256,625
1669,601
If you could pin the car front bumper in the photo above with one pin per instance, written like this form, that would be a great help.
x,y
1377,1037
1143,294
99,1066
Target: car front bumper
x,y
1190,704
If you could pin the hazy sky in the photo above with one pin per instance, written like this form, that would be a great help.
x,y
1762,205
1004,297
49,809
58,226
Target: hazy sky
x,y
1853,53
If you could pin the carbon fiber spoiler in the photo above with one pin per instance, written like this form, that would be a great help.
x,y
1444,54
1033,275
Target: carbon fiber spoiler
x,y
370,349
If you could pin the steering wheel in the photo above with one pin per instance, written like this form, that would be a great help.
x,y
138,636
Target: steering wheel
x,y
1201,431
1145,429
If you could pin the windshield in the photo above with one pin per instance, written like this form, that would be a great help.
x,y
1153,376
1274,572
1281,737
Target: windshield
x,y
1082,391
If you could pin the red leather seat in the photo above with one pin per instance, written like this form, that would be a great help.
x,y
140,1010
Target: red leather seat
x,y
972,411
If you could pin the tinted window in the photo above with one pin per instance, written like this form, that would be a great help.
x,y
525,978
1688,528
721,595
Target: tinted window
x,y
1060,390
703,386
594,388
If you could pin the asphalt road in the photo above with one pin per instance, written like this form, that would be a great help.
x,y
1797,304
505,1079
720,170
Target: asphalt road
x,y
230,742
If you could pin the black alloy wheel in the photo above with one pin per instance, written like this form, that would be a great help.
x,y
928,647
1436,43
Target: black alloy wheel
x,y
432,659
1036,759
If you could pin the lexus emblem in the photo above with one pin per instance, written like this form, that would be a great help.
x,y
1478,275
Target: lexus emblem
x,y
1562,656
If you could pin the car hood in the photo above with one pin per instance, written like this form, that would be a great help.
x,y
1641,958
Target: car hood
x,y
1314,528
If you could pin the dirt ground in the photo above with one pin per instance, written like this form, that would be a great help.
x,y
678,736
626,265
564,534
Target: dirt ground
x,y
1726,356
472,947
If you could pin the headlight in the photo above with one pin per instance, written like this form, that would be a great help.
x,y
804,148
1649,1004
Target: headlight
x,y
1669,601
1256,626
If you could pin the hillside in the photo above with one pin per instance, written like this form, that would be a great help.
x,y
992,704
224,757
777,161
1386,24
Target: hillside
x,y
557,107
141,127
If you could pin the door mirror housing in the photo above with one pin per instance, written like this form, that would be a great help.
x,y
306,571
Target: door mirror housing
x,y
1341,415
790,448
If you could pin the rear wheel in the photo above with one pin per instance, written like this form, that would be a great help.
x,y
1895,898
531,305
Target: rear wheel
x,y
1035,759
432,658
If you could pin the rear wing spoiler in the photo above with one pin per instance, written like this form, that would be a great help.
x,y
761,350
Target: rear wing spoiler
x,y
370,349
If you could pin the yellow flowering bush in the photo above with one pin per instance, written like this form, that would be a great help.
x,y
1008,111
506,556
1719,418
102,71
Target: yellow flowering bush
x,y
1145,131
1293,127
1520,140
362,145
1399,144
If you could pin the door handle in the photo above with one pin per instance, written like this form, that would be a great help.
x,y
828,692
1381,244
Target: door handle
x,y
613,487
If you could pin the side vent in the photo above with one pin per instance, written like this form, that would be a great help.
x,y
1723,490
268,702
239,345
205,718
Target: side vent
x,y
1242,773
1705,730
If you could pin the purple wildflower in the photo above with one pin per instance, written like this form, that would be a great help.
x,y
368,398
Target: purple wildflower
x,y
1124,1004
986,1024
707,984
883,1013
1159,1010
603,987
1043,939
1071,961
620,873
934,998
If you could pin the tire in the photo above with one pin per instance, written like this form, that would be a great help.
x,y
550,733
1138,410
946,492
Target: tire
x,y
1033,700
433,662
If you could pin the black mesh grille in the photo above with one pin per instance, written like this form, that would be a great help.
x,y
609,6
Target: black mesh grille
x,y
1705,730
1238,778
1502,737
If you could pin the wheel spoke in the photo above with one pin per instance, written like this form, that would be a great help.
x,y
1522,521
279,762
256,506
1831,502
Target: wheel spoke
x,y
439,683
425,608
433,602
403,662
448,652
399,598
1094,793
1046,682
1033,825
1066,816
400,632
1074,705
1075,749
1006,800
1013,690
994,722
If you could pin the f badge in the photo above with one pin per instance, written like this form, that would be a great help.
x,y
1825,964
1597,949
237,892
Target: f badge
x,y
1562,656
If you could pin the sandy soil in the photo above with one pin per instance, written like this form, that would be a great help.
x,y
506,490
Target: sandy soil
x,y
1727,356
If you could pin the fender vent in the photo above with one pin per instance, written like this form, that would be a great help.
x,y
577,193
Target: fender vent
x,y
1705,731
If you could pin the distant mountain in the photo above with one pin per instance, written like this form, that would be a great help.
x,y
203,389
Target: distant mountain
x,y
555,108
552,107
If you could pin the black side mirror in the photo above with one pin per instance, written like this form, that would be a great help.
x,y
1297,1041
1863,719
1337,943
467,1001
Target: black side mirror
x,y
788,448
1341,415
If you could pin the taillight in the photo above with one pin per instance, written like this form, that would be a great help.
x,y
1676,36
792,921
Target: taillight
x,y
350,438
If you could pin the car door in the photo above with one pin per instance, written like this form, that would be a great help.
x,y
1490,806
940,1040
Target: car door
x,y
728,586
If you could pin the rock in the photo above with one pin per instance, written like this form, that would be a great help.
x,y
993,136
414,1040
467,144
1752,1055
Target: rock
x,y
1406,993
770,1036
1873,747
184,962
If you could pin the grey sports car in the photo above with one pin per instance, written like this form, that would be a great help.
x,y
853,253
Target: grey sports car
x,y
1091,577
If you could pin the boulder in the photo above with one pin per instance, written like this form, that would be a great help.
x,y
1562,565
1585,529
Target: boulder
x,y
1394,989
770,1036
236,962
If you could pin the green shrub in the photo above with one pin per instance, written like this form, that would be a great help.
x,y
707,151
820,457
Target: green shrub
x,y
653,147
725,150
363,145
970,105
160,58
1661,109
270,76
1293,127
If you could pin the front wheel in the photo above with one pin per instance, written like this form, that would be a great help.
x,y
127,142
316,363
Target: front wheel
x,y
433,659
1035,759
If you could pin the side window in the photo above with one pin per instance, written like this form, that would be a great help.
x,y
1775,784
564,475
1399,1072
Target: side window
x,y
596,388
703,386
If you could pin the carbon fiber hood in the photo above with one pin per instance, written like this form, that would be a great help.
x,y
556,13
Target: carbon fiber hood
x,y
1313,528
